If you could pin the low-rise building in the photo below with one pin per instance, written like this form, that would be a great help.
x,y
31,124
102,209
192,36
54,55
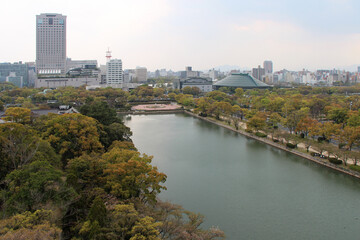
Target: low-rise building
x,y
204,84
50,82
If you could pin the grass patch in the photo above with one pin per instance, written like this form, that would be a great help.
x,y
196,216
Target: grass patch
x,y
355,168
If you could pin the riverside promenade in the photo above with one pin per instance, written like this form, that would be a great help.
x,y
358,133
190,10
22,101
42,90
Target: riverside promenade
x,y
282,147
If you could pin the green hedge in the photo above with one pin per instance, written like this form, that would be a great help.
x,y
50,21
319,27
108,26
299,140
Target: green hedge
x,y
260,134
290,145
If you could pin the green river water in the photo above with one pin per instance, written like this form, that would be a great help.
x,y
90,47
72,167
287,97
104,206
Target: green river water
x,y
247,188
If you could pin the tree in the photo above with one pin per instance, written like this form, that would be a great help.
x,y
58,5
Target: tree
x,y
34,186
203,106
19,144
18,115
339,115
72,135
128,175
86,172
145,228
305,124
158,92
239,92
98,212
172,96
350,136
101,111
237,112
273,123
30,226
317,106
354,119
178,223
257,122
1,105
292,119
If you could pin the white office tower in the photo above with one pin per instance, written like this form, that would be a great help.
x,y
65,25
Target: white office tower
x,y
51,44
114,73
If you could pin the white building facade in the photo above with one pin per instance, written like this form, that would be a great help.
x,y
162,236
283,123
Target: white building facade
x,y
114,72
51,44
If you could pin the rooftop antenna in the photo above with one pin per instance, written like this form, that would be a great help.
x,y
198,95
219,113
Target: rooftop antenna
x,y
108,55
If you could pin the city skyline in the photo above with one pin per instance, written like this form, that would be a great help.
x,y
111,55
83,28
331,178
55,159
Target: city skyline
x,y
203,34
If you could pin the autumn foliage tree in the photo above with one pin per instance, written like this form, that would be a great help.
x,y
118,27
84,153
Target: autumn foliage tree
x,y
18,115
72,135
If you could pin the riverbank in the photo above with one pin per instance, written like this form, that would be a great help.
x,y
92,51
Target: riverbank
x,y
282,147
152,112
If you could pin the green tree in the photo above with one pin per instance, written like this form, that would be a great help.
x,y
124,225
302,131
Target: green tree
x,y
118,132
101,111
98,212
339,115
33,187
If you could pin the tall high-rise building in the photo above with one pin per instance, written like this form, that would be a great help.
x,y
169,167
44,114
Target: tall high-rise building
x,y
51,44
258,73
114,72
268,66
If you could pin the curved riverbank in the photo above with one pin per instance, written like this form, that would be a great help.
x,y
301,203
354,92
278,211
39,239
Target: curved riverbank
x,y
282,147
152,112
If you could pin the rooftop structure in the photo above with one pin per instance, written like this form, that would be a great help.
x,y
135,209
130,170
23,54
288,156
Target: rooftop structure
x,y
241,80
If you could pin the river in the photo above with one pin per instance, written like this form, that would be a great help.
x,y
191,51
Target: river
x,y
247,188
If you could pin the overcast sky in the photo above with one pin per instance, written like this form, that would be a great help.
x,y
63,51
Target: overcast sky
x,y
172,34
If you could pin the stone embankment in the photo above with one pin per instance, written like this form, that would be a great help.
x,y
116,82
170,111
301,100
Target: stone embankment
x,y
282,147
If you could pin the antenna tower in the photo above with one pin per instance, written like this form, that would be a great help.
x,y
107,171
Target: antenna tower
x,y
108,55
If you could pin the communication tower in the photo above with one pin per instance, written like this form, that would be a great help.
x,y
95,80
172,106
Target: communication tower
x,y
108,55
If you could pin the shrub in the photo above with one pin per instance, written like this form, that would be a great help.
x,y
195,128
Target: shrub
x,y
335,161
355,168
290,145
260,134
275,140
248,130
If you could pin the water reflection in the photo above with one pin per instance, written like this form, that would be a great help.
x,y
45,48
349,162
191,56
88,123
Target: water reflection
x,y
251,190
